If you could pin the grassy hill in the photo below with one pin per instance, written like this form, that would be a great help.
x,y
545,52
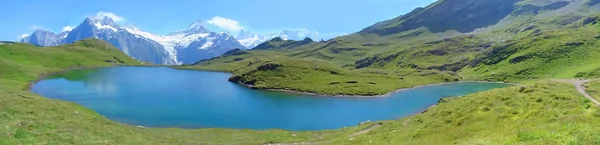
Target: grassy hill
x,y
23,62
514,41
315,75
544,112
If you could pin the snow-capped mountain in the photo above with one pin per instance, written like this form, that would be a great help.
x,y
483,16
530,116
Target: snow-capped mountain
x,y
192,44
251,40
142,49
186,46
298,34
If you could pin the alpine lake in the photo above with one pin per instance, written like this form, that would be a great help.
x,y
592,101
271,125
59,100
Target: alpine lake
x,y
167,97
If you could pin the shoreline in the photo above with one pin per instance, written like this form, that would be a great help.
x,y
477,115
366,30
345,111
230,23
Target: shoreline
x,y
372,96
42,76
388,94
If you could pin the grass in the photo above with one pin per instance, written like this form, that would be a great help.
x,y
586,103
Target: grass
x,y
566,53
318,76
544,113
593,88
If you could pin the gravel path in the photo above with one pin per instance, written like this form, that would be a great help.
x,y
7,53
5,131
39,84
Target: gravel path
x,y
580,88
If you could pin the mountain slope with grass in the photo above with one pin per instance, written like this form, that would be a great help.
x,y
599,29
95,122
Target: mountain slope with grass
x,y
316,76
540,112
503,41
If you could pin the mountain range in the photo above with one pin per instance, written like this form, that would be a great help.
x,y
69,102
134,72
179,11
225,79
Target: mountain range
x,y
181,47
251,40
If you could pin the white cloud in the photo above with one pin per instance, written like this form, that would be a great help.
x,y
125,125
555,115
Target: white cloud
x,y
113,16
22,36
67,28
227,24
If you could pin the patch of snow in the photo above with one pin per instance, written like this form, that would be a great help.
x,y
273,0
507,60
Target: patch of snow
x,y
208,44
64,36
284,37
100,26
250,42
159,39
144,34
185,40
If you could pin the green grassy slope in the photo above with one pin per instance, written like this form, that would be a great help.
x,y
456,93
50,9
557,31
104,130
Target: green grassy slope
x,y
593,88
565,53
23,62
316,76
544,112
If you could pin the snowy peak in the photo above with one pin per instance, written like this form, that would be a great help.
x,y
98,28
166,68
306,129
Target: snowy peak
x,y
245,34
105,23
108,21
101,21
196,27
298,34
251,40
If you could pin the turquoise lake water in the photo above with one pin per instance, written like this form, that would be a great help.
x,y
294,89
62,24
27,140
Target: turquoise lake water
x,y
166,97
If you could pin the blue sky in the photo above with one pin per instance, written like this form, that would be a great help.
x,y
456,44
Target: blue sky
x,y
164,16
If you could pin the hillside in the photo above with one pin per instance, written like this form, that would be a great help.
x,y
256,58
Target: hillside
x,y
23,62
514,41
543,113
316,76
